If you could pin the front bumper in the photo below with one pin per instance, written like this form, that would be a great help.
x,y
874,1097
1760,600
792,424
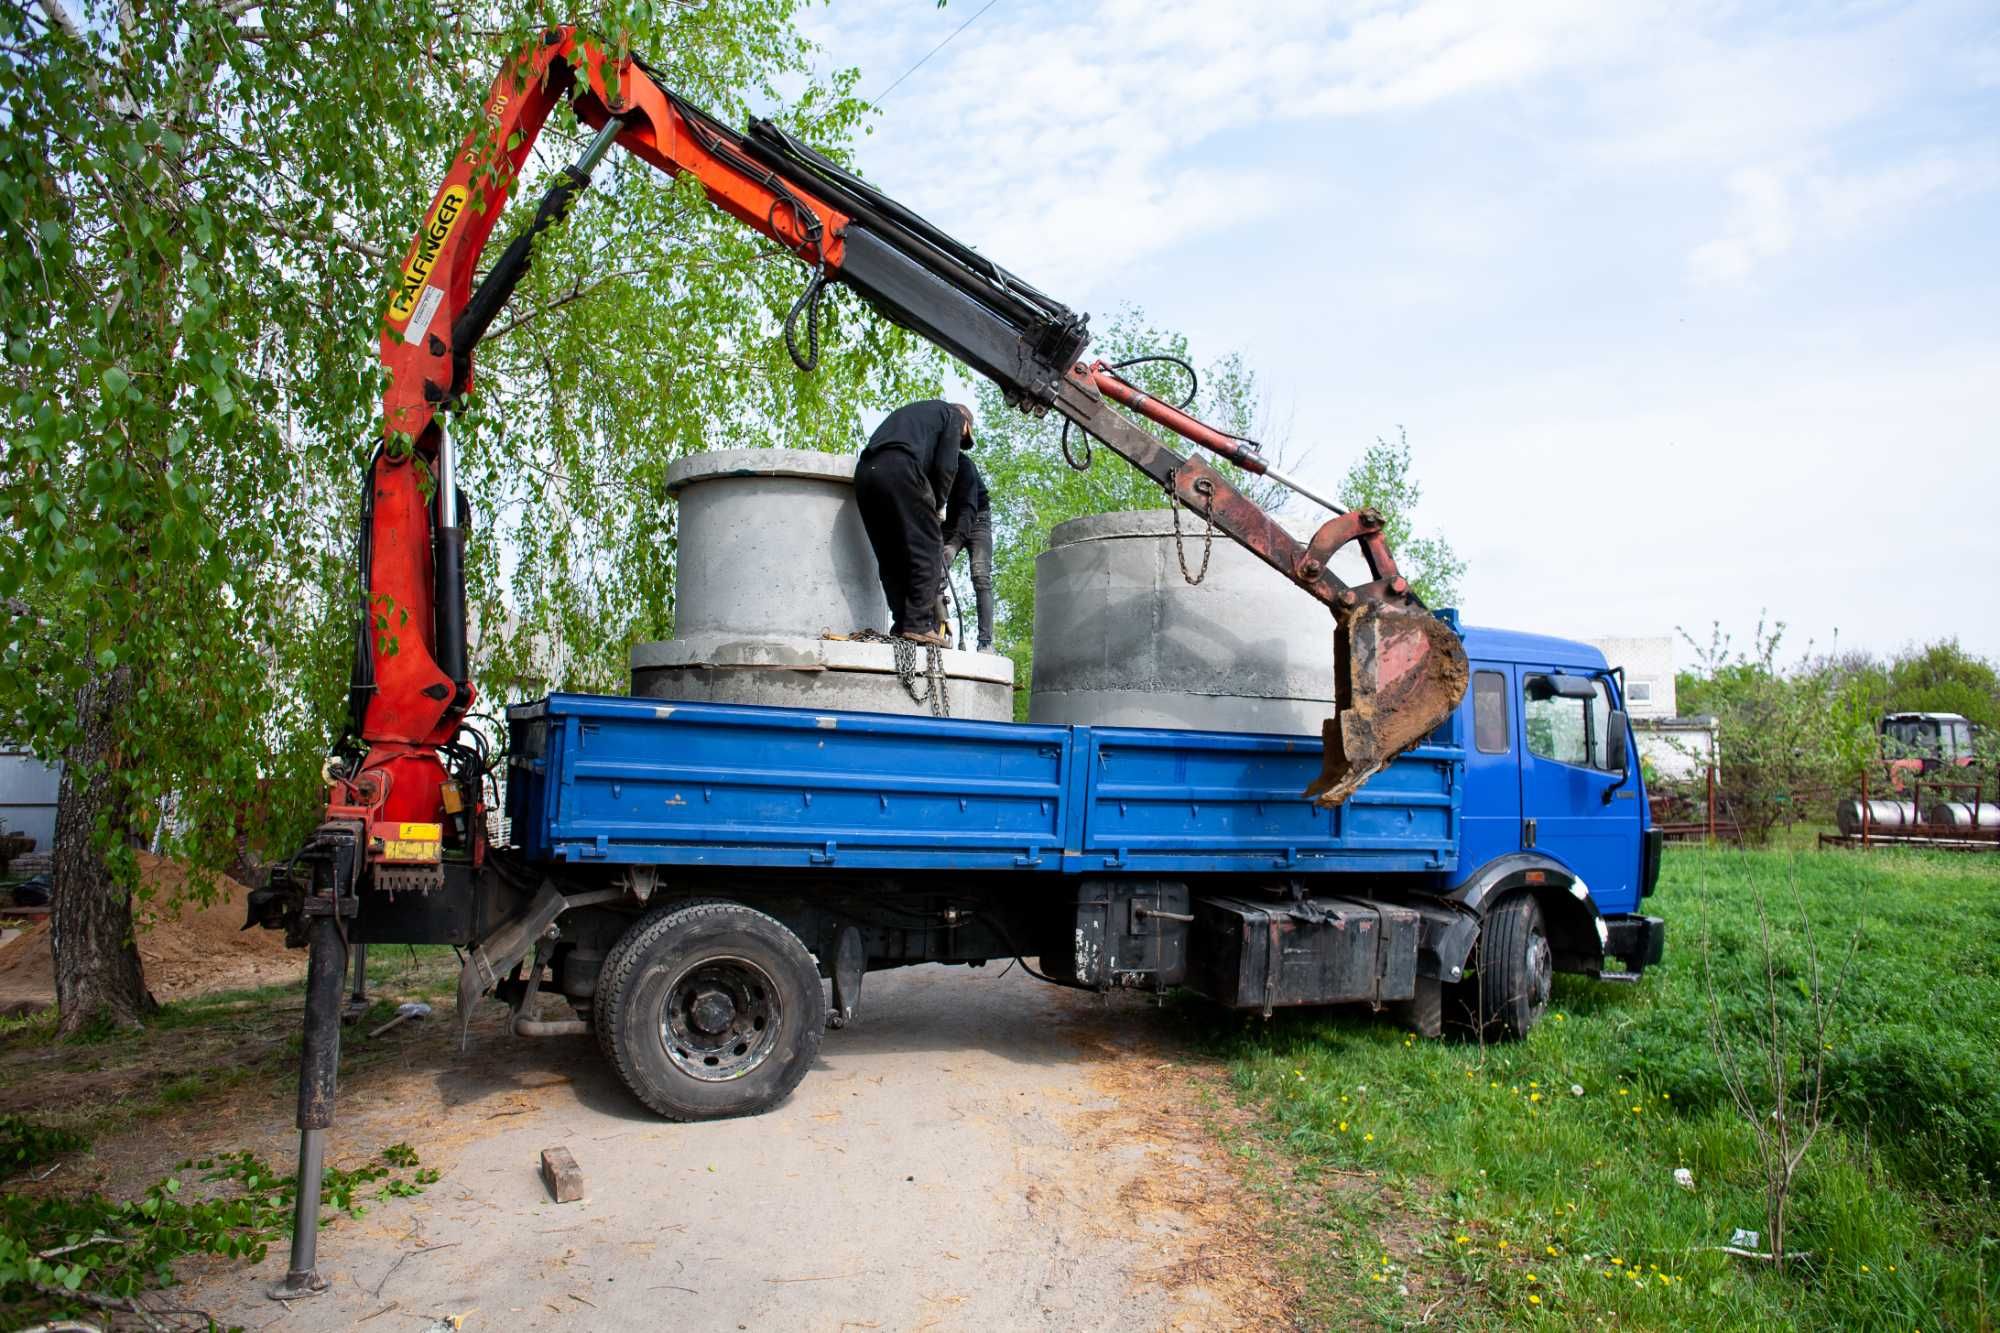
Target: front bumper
x,y
1637,941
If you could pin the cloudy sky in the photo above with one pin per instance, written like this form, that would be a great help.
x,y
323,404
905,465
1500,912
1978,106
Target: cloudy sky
x,y
1691,311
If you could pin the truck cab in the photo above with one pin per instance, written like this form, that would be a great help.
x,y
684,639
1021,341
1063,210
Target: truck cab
x,y
1553,789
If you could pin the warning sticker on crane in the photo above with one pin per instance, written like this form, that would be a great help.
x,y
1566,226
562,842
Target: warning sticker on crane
x,y
413,294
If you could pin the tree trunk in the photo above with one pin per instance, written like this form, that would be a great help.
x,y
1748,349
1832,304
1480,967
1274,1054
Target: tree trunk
x,y
98,974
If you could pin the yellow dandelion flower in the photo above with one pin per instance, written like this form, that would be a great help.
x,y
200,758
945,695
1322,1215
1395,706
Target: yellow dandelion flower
x,y
1368,1138
1664,1279
1534,1096
1864,1268
1619,1262
1503,1244
1637,1109
1464,1240
1378,1277
1531,1277
1607,1272
1624,1092
1551,1249
1343,1126
1534,1299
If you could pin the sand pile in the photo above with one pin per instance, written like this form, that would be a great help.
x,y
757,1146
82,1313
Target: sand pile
x,y
198,950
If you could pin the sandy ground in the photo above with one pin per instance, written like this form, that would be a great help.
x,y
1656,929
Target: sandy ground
x,y
187,949
977,1152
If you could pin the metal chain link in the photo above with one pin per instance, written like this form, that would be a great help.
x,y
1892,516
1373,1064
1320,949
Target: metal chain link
x,y
937,689
1208,528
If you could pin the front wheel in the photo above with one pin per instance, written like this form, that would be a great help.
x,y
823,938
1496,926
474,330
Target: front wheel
x,y
1514,973
710,1010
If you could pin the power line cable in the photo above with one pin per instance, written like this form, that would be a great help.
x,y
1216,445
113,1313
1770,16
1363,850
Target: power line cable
x,y
877,102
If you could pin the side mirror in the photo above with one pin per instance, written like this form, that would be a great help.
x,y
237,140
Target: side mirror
x,y
1617,757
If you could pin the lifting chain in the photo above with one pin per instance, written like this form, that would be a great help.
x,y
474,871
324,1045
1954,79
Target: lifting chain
x,y
1206,490
936,692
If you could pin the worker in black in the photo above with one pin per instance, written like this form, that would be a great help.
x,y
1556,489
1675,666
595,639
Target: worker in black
x,y
968,526
905,474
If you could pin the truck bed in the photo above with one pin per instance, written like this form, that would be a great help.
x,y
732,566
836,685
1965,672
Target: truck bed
x,y
596,779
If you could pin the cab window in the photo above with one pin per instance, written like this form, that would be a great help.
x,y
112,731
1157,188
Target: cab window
x,y
1489,711
1567,728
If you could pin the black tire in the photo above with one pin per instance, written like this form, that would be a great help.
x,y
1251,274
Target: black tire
x,y
1515,970
1422,1013
710,1010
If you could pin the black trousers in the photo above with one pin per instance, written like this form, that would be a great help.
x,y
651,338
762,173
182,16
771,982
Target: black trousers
x,y
900,514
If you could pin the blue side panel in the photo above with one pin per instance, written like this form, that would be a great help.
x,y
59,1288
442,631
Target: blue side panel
x,y
646,782
1182,801
637,781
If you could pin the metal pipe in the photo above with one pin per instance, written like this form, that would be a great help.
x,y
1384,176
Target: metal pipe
x,y
319,1061
599,145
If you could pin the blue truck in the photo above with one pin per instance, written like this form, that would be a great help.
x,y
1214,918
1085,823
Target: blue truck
x,y
689,877
700,872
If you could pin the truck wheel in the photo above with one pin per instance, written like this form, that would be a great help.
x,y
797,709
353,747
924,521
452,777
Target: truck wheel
x,y
1516,969
710,1010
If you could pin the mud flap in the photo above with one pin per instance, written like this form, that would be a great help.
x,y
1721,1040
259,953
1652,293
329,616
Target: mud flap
x,y
492,958
1398,672
850,961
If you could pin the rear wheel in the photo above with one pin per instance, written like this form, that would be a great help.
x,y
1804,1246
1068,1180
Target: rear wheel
x,y
1513,975
710,1010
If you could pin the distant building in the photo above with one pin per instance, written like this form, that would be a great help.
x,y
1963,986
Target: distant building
x,y
1670,745
28,790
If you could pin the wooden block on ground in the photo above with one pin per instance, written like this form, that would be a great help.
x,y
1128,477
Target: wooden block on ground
x,y
562,1175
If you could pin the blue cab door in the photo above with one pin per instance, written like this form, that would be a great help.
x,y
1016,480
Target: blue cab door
x,y
1573,808
1491,814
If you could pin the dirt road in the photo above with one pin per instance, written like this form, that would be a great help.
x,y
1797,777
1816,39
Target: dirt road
x,y
978,1152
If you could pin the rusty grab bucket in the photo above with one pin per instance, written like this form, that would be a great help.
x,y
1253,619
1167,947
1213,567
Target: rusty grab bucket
x,y
1398,671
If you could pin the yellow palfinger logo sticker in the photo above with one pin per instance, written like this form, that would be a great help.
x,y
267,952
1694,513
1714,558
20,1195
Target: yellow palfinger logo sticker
x,y
421,832
430,244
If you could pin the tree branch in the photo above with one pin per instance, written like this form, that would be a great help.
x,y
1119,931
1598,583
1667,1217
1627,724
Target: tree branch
x,y
362,248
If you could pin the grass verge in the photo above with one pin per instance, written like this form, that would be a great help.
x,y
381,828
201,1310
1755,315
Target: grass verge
x,y
1534,1185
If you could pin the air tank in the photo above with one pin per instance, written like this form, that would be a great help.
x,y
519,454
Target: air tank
x,y
1966,815
1883,816
772,558
1123,639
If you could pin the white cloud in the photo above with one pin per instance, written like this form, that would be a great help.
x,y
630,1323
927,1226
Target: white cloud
x,y
1773,207
1760,229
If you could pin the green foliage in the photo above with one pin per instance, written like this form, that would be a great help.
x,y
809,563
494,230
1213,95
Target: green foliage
x,y
1795,736
201,210
1383,478
1791,738
52,1245
24,1143
1033,489
1895,1205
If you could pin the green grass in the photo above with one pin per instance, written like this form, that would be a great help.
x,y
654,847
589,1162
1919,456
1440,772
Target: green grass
x,y
1501,1197
203,1048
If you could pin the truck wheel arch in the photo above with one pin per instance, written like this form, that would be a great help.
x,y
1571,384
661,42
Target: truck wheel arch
x,y
1569,913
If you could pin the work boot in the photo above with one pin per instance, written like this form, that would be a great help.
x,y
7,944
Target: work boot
x,y
929,638
986,646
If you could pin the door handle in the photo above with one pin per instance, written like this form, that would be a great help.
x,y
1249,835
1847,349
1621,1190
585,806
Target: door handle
x,y
1527,833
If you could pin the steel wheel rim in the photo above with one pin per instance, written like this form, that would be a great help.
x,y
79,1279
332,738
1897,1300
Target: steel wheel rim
x,y
721,1018
1541,971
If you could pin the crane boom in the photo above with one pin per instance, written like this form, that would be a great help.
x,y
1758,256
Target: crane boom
x,y
1399,670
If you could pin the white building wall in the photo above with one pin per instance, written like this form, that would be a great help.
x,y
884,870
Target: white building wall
x,y
1649,673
